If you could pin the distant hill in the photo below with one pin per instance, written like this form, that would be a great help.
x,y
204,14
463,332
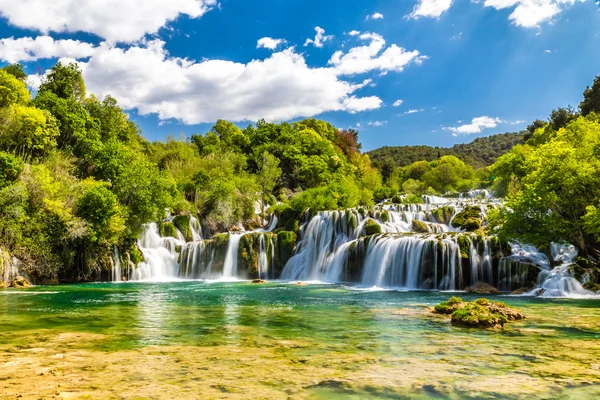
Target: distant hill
x,y
479,153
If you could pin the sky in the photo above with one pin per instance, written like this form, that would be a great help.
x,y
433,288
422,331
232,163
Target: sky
x,y
401,72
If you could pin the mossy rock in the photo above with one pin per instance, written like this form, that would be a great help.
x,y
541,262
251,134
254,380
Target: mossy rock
x,y
384,216
419,226
448,307
362,211
20,282
135,255
464,243
397,199
469,219
352,222
481,313
482,288
371,227
286,242
220,239
443,215
167,229
182,222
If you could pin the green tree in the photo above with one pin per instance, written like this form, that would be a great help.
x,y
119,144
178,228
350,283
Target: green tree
x,y
591,98
268,173
16,70
12,90
10,168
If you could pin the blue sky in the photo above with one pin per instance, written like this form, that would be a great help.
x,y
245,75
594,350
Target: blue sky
x,y
463,69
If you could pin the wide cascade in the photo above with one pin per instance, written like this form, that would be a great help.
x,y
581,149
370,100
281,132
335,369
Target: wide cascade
x,y
412,246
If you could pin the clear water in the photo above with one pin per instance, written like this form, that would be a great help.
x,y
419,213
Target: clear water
x,y
193,339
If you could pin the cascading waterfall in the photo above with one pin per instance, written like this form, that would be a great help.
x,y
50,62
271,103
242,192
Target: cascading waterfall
x,y
230,267
160,257
116,269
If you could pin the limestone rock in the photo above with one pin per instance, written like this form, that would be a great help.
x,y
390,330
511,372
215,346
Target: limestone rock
x,y
482,288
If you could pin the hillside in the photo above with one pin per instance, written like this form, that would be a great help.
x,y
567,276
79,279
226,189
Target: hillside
x,y
478,153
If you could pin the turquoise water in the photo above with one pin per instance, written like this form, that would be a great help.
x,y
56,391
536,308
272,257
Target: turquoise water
x,y
281,340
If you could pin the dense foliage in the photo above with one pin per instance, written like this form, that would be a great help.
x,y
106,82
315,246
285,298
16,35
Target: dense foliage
x,y
78,179
552,182
478,153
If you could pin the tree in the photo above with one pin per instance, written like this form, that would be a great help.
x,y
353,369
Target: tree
x,y
28,131
12,90
10,168
531,128
591,98
16,70
65,81
560,117
268,173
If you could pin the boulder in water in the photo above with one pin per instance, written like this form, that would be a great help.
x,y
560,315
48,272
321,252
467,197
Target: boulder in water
x,y
258,281
19,282
469,219
372,227
481,313
521,291
419,226
482,288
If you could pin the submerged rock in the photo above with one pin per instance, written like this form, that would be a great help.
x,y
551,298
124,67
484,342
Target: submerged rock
x,y
521,291
482,288
481,313
258,281
19,282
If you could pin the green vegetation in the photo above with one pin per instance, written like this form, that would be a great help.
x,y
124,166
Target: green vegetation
x,y
479,153
481,313
552,182
77,178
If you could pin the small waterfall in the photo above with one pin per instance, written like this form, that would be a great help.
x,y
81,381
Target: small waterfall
x,y
116,275
481,261
196,260
196,229
160,257
263,259
230,267
559,282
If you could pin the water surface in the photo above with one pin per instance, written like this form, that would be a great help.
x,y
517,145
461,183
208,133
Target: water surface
x,y
194,339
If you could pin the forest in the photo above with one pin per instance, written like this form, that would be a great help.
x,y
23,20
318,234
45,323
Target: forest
x,y
479,153
77,178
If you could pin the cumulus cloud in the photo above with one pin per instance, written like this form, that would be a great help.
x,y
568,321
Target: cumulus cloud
x,y
398,103
30,49
319,39
269,43
354,33
477,125
370,57
375,16
430,8
530,13
282,86
113,20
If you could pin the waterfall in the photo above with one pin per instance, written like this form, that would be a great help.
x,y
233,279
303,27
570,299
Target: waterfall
x,y
160,257
116,269
230,267
196,229
196,260
481,261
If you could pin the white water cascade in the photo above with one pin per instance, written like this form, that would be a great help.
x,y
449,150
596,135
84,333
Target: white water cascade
x,y
160,258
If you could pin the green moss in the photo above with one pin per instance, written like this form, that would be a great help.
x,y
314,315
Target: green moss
x,y
419,226
182,222
286,241
353,222
220,239
167,229
443,214
397,199
384,217
469,219
481,313
135,255
464,243
372,227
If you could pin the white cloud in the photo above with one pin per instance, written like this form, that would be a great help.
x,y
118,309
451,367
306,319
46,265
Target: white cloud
x,y
281,87
531,13
269,43
367,58
458,36
548,51
319,39
29,49
398,103
113,20
354,33
375,16
376,123
430,8
413,111
477,125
